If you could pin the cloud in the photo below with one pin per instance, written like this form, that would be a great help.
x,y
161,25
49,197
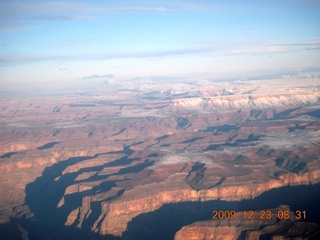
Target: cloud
x,y
95,76
273,48
129,9
14,27
295,44
256,50
5,45
22,10
197,7
313,48
23,58
209,50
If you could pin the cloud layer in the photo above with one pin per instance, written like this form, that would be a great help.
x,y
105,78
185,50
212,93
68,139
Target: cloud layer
x,y
241,49
19,10
95,76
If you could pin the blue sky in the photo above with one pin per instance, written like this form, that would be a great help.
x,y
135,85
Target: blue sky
x,y
71,42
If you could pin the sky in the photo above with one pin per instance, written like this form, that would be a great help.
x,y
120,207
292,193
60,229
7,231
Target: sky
x,y
71,43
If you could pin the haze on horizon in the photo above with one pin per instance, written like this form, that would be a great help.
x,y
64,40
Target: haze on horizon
x,y
73,43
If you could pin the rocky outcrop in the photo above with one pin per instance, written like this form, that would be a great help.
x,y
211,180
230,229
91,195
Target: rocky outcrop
x,y
294,98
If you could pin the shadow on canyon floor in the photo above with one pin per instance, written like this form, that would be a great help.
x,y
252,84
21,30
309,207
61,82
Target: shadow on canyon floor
x,y
39,231
43,196
166,221
170,218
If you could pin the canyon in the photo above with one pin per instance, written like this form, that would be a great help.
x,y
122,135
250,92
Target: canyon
x,y
103,165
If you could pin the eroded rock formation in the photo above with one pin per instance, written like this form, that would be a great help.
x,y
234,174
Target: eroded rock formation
x,y
96,163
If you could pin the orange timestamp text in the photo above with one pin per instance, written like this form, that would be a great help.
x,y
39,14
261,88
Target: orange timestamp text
x,y
263,214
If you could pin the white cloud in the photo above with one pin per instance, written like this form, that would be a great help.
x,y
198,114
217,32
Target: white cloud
x,y
235,49
95,76
292,44
257,49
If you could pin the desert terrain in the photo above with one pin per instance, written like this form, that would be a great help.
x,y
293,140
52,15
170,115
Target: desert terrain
x,y
154,159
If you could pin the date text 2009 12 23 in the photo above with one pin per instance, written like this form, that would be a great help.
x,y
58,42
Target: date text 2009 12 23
x,y
263,214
